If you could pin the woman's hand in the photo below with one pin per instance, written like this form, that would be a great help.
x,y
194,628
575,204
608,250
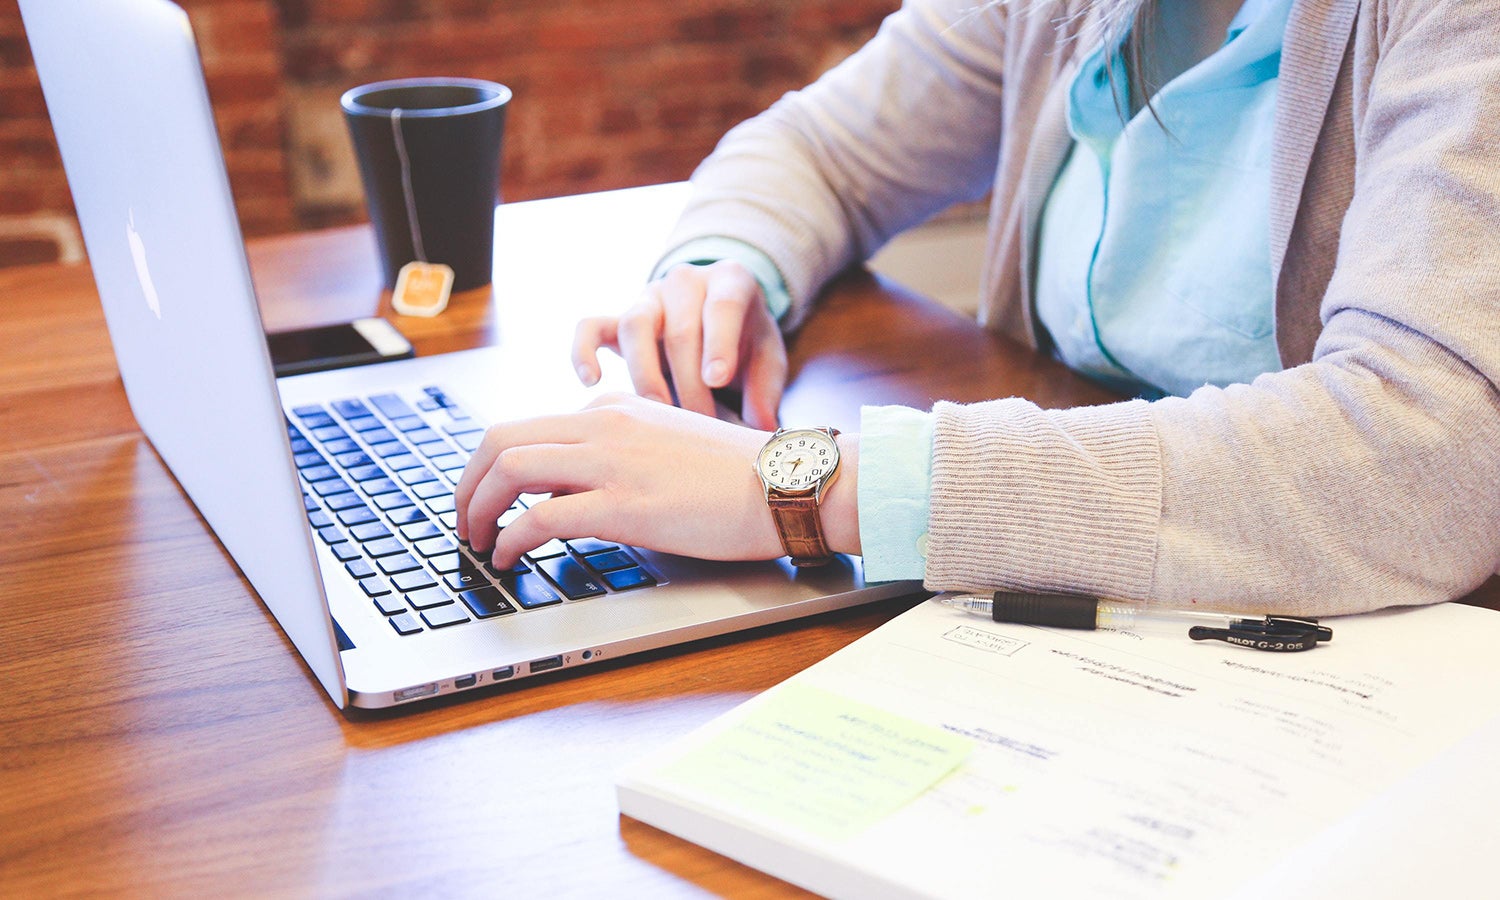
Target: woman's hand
x,y
623,469
702,327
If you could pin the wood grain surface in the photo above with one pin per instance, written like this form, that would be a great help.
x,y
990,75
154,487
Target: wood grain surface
x,y
160,736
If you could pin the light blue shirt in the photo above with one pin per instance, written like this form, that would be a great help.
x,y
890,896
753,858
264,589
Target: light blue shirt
x,y
1154,271
1154,268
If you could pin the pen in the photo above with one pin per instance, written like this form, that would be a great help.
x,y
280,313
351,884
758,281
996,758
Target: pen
x,y
1276,634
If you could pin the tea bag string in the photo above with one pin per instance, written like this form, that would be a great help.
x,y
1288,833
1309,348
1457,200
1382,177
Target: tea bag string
x,y
407,193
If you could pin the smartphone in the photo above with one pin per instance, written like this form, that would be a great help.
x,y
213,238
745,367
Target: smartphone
x,y
355,343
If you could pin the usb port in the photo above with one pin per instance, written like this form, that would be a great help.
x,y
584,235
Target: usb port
x,y
542,665
465,681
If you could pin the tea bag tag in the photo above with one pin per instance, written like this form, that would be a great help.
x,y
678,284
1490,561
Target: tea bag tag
x,y
422,289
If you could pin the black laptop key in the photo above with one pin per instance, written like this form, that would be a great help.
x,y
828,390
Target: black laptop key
x,y
417,476
390,604
316,420
353,458
435,546
375,586
395,565
408,423
608,561
378,436
311,409
319,473
356,515
431,489
414,580
344,502
408,516
469,441
402,461
350,409
427,598
345,551
309,459
385,547
441,503
387,448
330,487
405,623
393,500
378,486
344,445
317,518
370,531
465,579
365,423
444,563
486,602
329,433
391,406
331,534
625,579
366,473
444,616
530,590
574,580
359,568
418,531
590,545
308,503
300,444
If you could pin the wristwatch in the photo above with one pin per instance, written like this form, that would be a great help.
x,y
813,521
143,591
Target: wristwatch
x,y
796,466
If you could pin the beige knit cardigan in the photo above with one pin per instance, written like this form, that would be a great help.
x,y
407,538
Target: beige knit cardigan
x,y
1365,474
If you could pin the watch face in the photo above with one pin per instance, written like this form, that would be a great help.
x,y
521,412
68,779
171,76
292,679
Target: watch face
x,y
798,460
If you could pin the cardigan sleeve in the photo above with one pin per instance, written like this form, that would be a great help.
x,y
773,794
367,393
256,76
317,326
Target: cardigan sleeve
x,y
903,128
1367,477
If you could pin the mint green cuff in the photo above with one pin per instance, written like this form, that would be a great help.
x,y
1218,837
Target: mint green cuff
x,y
895,485
705,250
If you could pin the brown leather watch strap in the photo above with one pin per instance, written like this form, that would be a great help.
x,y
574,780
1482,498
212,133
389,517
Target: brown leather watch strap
x,y
801,529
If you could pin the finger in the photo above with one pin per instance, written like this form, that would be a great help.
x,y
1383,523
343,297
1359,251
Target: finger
x,y
588,337
639,336
764,382
529,469
569,516
562,429
682,339
730,292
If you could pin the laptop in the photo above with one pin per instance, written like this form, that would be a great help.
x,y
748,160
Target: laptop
x,y
333,490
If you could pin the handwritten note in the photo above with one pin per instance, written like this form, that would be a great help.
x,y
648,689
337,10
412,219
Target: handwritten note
x,y
819,762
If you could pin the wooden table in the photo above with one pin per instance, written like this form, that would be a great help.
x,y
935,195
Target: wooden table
x,y
160,736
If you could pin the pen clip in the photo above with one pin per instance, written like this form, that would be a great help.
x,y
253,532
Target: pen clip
x,y
1272,634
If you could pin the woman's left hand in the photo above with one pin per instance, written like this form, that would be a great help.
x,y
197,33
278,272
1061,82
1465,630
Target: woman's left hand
x,y
622,469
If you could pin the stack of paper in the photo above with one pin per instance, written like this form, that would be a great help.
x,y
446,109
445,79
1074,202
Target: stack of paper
x,y
946,755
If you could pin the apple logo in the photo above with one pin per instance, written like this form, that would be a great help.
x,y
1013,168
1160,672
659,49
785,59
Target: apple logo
x,y
142,271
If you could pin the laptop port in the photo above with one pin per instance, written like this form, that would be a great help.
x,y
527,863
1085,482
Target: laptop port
x,y
412,693
465,681
543,665
502,674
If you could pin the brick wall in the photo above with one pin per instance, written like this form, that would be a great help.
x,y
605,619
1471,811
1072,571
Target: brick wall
x,y
609,93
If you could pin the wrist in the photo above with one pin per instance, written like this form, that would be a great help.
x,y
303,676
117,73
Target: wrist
x,y
840,508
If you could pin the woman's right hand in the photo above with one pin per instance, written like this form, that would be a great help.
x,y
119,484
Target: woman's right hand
x,y
695,329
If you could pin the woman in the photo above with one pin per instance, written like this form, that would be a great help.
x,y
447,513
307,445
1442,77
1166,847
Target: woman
x,y
1277,219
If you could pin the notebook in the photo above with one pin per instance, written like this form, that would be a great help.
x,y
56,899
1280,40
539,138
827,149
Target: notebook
x,y
946,755
332,490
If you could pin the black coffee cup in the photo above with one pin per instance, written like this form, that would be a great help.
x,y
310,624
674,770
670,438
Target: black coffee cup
x,y
429,155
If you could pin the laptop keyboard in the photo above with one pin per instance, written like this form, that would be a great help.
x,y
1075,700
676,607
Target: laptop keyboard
x,y
377,480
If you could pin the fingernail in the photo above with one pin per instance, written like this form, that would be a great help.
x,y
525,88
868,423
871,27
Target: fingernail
x,y
715,372
587,376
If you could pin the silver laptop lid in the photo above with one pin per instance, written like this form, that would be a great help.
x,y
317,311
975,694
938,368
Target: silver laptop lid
x,y
126,93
